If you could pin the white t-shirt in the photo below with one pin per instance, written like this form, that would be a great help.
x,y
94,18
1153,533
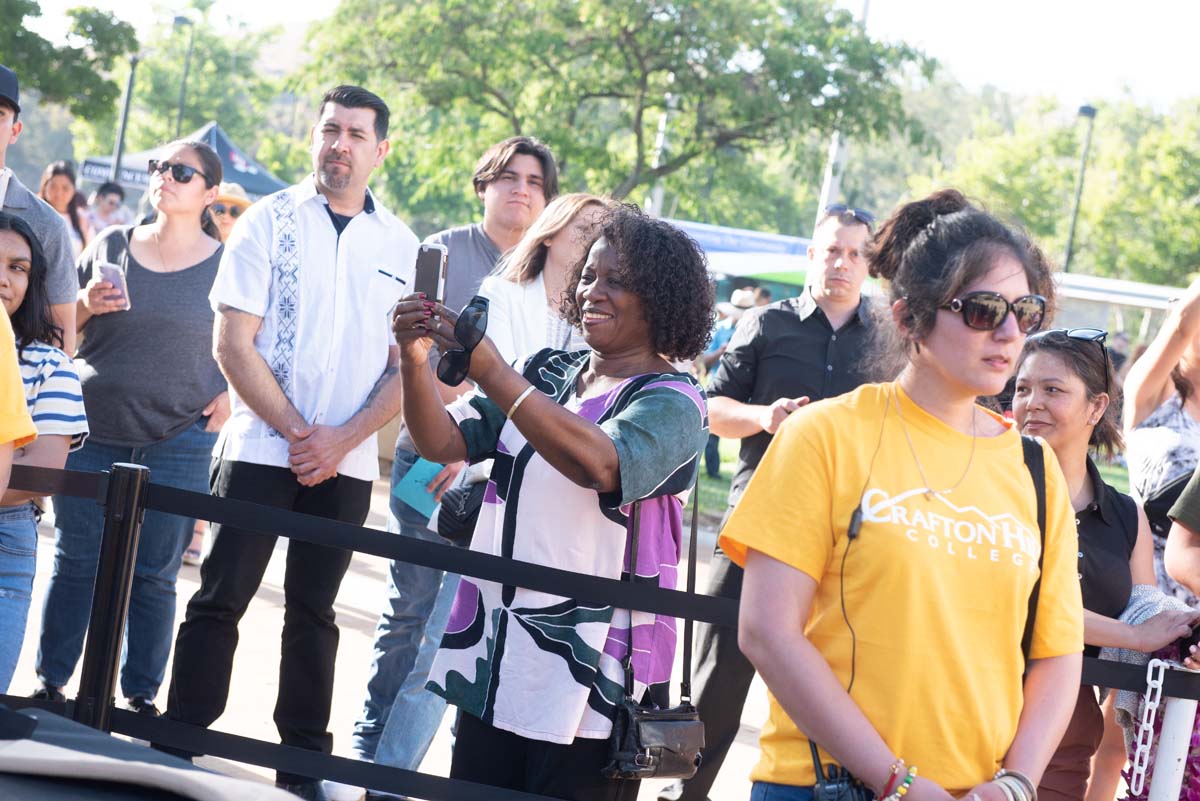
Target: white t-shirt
x,y
325,300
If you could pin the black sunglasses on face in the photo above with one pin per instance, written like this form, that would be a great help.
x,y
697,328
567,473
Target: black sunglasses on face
x,y
182,173
862,215
1097,335
986,311
221,208
469,331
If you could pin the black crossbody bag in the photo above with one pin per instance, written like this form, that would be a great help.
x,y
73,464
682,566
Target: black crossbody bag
x,y
651,743
835,783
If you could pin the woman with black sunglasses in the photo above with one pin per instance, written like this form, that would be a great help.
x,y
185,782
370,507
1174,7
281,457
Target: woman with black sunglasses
x,y
1066,393
577,438
155,397
891,544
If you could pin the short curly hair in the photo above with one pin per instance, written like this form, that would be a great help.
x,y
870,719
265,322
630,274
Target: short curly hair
x,y
666,269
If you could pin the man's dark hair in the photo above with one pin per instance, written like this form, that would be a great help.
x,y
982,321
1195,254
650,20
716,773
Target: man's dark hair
x,y
356,97
111,188
32,321
667,271
497,157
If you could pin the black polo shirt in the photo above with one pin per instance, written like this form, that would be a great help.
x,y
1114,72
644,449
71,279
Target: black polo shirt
x,y
1108,529
788,349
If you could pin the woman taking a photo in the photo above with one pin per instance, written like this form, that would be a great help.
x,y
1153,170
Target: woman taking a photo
x,y
155,397
885,604
55,402
577,437
1066,393
526,295
1162,424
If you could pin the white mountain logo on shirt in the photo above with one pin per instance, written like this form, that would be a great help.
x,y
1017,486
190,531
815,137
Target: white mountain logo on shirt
x,y
961,531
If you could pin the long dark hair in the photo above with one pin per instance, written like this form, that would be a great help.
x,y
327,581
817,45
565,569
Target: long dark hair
x,y
64,168
32,320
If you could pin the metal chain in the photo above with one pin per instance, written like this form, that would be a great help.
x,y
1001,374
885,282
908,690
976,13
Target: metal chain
x,y
1156,671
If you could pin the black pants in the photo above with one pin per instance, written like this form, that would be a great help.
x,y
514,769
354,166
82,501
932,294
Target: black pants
x,y
488,755
229,579
722,681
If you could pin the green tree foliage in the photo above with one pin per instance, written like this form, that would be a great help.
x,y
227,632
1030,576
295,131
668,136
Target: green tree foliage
x,y
1139,216
225,83
78,73
594,79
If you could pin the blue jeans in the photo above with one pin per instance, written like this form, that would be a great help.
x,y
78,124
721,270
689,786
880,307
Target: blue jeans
x,y
408,622
766,791
18,558
183,462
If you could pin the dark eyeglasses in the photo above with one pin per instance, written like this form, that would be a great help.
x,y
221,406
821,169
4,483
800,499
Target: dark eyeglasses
x,y
862,215
469,331
233,211
986,311
182,173
1097,335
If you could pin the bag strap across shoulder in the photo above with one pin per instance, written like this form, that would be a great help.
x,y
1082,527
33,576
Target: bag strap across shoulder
x,y
685,682
1035,462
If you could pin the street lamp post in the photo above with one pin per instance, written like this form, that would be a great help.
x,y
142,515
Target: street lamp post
x,y
187,64
114,174
1089,113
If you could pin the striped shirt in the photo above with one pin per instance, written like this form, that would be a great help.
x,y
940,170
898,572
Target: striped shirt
x,y
52,392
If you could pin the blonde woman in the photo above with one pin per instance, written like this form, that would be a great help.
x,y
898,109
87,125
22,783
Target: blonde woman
x,y
526,292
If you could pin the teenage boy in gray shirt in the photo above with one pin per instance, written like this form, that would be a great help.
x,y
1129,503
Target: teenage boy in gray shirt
x,y
514,179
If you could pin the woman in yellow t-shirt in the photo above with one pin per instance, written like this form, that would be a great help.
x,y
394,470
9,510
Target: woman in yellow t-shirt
x,y
891,544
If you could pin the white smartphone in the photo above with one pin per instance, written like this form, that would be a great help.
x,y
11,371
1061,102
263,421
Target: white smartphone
x,y
116,276
431,272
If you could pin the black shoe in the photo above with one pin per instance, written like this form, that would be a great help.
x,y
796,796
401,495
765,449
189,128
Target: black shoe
x,y
142,706
309,791
49,692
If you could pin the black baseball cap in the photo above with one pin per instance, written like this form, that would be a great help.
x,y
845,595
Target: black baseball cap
x,y
10,92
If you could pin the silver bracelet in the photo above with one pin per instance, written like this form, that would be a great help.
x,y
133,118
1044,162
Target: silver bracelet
x,y
1004,788
1022,780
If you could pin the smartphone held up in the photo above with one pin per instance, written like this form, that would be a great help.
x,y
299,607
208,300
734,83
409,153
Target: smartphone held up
x,y
431,272
114,275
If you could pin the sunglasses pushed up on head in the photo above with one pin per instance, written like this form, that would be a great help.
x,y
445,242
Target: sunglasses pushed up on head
x,y
1097,335
986,311
469,331
182,173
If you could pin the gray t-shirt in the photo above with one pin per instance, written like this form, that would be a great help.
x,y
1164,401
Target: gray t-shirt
x,y
148,372
470,258
51,231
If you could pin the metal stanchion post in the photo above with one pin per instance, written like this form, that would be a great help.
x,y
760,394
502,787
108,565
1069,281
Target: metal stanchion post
x,y
124,509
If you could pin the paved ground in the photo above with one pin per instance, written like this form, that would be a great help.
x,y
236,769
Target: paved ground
x,y
255,677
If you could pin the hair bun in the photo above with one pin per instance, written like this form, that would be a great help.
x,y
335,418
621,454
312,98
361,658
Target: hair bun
x,y
905,225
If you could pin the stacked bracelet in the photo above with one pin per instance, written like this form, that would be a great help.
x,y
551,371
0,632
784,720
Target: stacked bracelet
x,y
905,783
1015,785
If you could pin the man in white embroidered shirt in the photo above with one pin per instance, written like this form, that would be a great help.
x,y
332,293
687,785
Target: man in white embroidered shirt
x,y
303,293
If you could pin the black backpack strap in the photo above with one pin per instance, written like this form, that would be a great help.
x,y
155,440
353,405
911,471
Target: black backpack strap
x,y
1035,463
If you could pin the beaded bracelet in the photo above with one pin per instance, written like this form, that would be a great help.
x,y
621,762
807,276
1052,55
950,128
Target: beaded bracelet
x,y
896,770
902,790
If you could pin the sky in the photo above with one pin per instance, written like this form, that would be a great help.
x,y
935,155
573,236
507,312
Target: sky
x,y
1081,51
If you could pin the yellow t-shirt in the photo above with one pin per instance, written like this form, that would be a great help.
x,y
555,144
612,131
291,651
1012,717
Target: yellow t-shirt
x,y
16,424
937,589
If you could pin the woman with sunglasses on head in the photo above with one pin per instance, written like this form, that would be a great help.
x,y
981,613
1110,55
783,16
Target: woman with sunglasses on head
x,y
886,603
1066,393
1162,424
578,438
155,397
53,398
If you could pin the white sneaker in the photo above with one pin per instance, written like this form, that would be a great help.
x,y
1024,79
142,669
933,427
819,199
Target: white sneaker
x,y
343,792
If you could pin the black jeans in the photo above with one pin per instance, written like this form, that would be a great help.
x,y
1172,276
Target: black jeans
x,y
229,579
488,755
722,680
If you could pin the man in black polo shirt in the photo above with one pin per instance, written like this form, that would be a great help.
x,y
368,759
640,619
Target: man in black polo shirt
x,y
781,356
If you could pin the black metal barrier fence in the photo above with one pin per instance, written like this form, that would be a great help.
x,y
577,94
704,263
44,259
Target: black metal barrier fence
x,y
126,493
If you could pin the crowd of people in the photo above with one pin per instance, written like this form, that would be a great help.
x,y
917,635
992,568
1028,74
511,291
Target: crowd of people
x,y
576,367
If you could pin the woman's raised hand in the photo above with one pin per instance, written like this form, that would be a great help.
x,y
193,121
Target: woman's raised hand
x,y
418,324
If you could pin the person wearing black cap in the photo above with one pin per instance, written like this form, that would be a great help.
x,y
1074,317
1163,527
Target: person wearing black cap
x,y
51,231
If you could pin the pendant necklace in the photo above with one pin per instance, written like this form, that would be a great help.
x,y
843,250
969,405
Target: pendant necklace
x,y
930,493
